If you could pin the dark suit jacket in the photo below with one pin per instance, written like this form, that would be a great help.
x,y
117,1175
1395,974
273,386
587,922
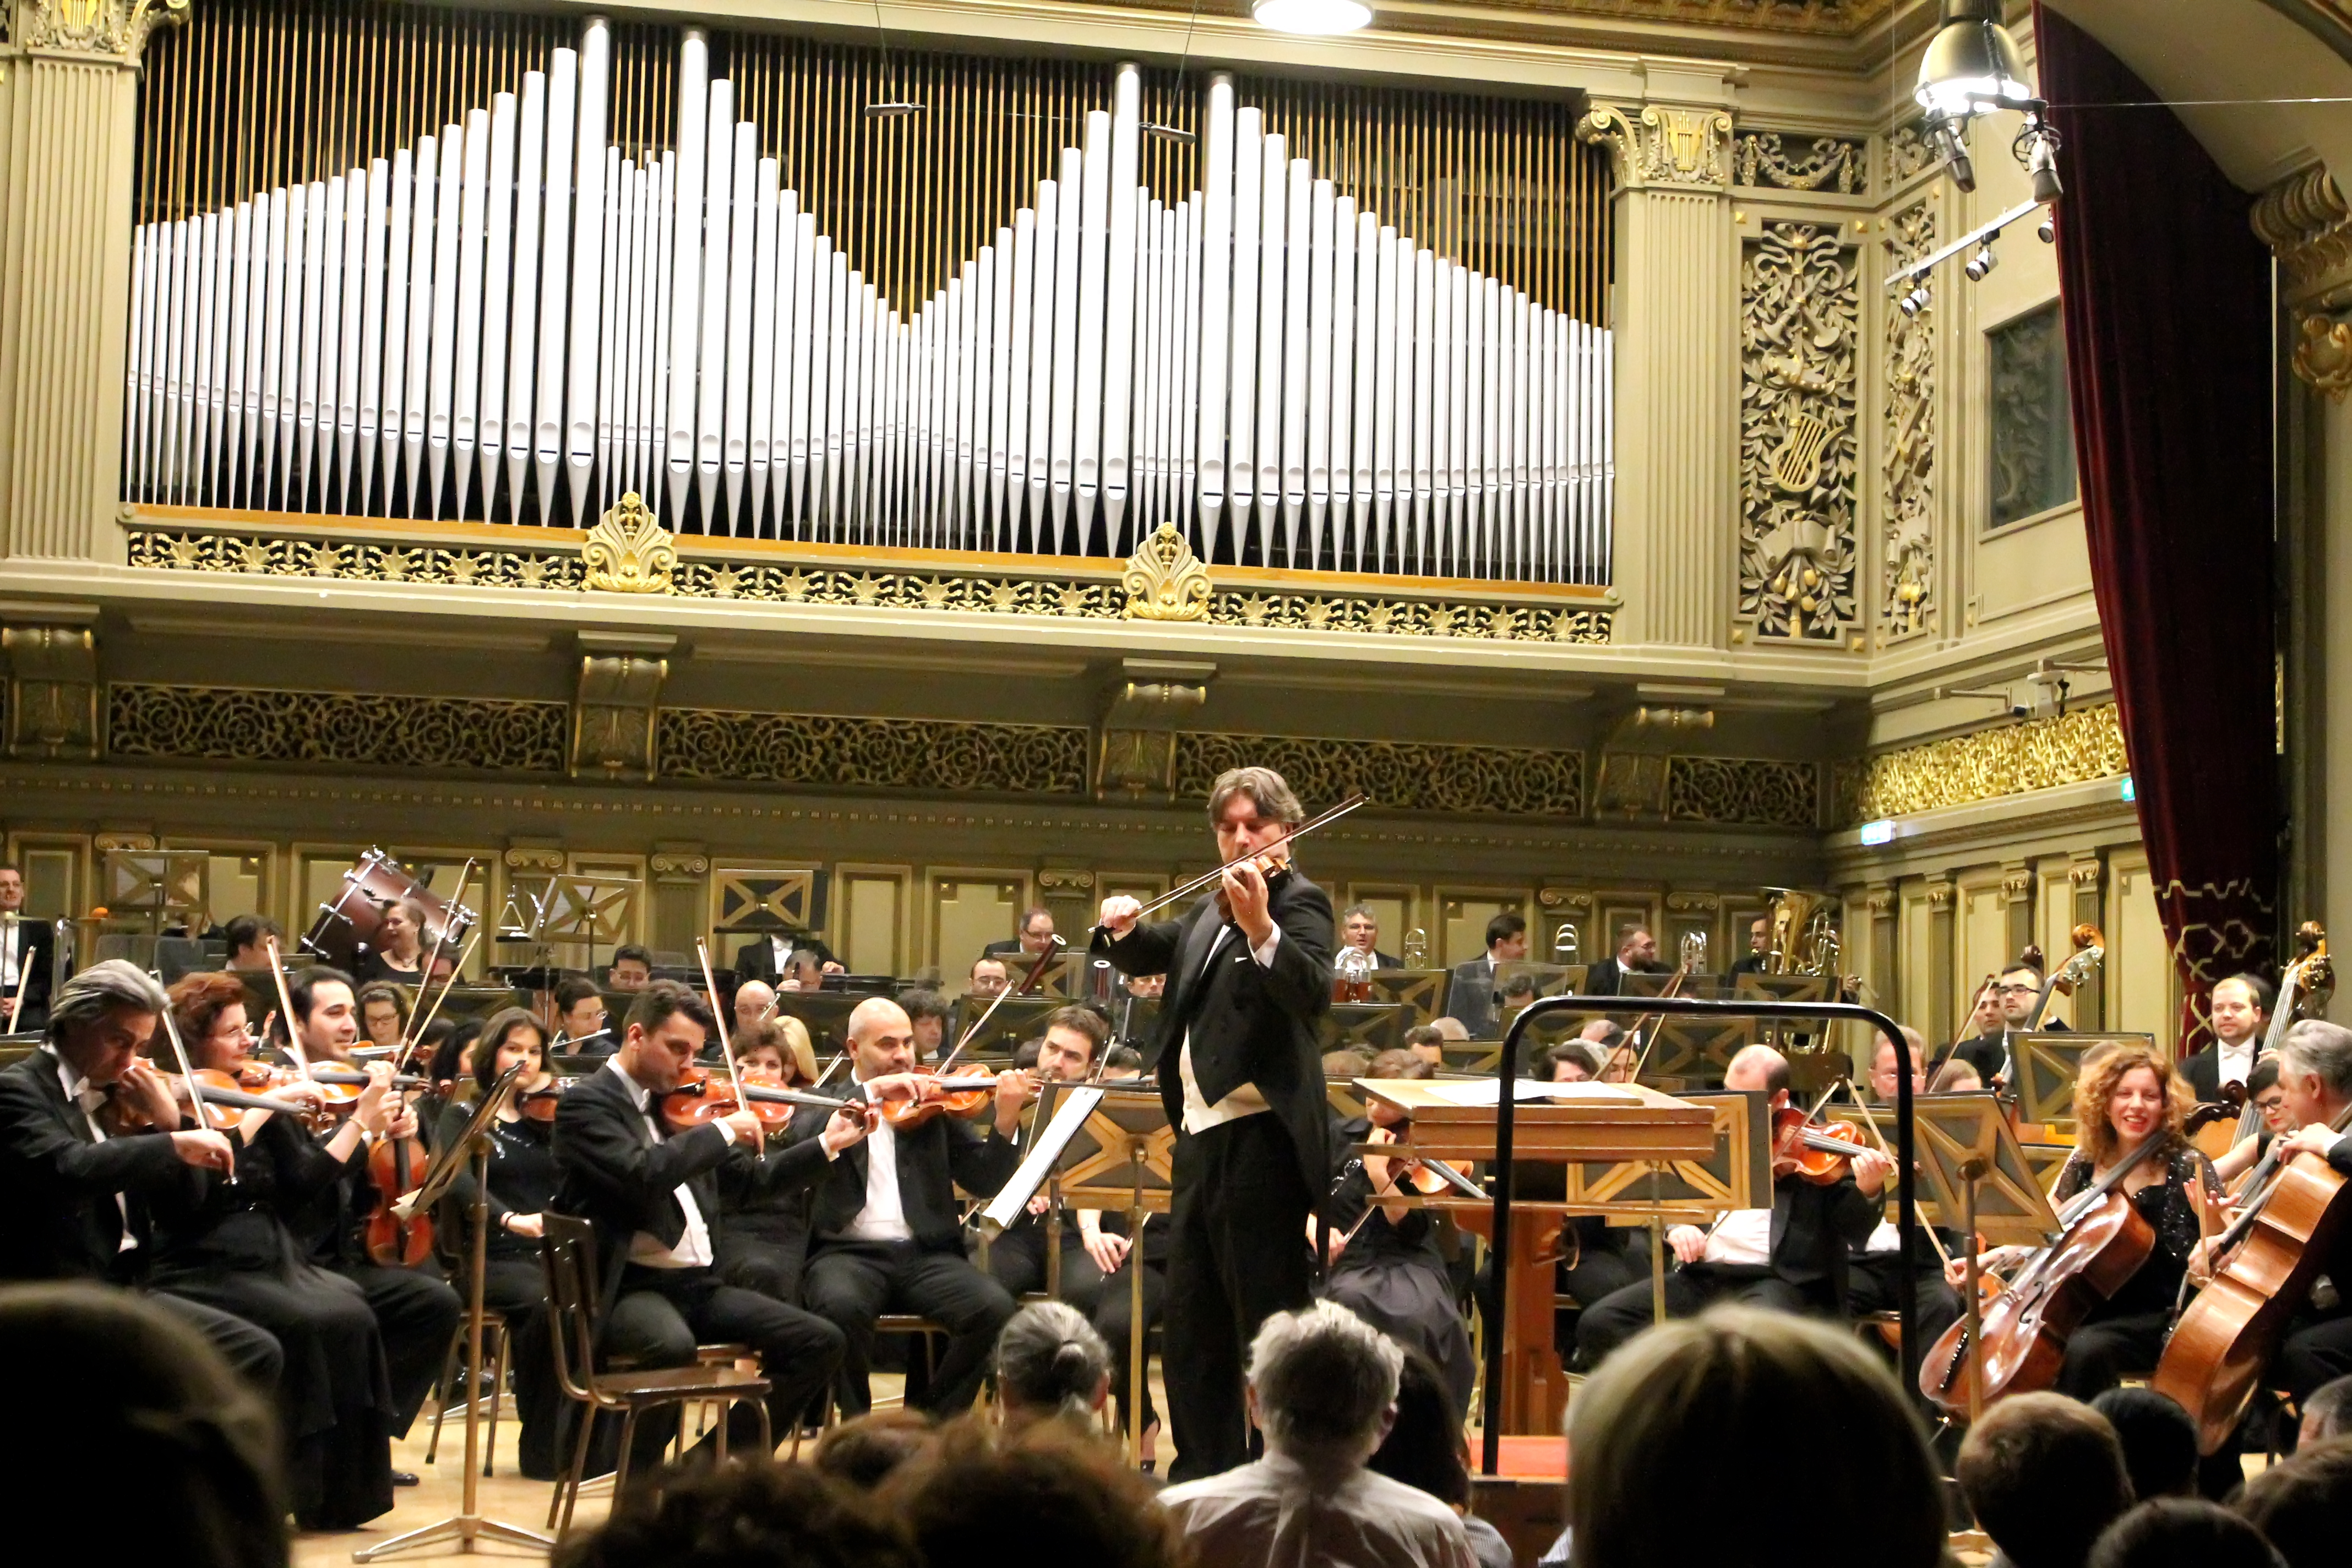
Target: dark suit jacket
x,y
1602,979
756,959
36,940
1815,1229
622,1179
1247,1024
58,1219
1985,1053
2204,1072
1749,963
1470,997
934,1158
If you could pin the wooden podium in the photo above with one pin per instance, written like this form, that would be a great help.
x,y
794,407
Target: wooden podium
x,y
1573,1125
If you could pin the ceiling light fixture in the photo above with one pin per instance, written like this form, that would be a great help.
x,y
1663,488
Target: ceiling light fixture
x,y
1972,68
1314,17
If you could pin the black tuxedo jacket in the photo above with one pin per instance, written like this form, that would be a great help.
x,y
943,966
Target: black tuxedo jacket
x,y
1749,963
1603,978
1248,1023
1470,997
1815,1229
623,1179
756,959
934,1158
58,1219
35,939
2204,1072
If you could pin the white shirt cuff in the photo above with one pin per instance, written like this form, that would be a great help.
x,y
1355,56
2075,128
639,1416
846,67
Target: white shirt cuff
x,y
726,1130
831,1154
1264,952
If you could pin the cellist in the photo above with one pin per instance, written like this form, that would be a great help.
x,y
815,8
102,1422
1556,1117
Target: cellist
x,y
2125,1097
2315,1072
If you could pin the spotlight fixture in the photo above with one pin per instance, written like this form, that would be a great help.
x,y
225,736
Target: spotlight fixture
x,y
1952,137
892,109
2040,145
1167,132
1315,17
2047,230
1917,300
1981,263
1972,65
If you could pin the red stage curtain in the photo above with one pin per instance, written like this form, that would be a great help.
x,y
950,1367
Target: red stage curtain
x,y
2166,296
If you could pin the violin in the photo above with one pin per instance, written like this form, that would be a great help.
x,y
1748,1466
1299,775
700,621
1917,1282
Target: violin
x,y
965,1098
539,1104
225,1103
700,1098
1414,1175
1273,864
1821,1152
1192,885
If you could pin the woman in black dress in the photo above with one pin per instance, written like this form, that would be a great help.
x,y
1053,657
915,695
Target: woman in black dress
x,y
232,1250
522,1187
2123,1098
398,954
763,1244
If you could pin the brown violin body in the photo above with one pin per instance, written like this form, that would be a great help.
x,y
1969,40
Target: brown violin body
x,y
2026,1329
964,1103
398,1166
2230,1331
1820,1151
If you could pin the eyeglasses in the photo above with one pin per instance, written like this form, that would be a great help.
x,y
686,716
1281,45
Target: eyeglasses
x,y
2015,989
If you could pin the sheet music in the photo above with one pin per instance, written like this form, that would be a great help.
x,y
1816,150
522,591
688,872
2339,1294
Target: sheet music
x,y
1010,1198
1484,1091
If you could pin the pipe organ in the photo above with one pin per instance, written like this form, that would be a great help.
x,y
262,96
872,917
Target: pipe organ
x,y
517,319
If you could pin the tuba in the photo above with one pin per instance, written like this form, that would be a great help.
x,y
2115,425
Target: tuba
x,y
1802,941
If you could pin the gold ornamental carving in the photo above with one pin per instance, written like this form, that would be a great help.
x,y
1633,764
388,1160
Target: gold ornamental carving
x,y
1165,581
52,692
1397,776
536,860
118,27
241,724
1743,792
1798,406
2307,224
1763,159
629,552
2323,354
2075,747
612,717
722,746
1909,152
1908,443
1662,146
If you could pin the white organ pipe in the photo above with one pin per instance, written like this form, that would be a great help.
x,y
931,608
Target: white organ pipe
x,y
232,439
1149,277
1440,345
590,235
1216,280
368,413
224,225
299,282
685,281
522,336
261,407
763,339
195,486
1021,329
400,201
1241,426
1322,294
629,440
321,335
663,234
1041,355
1297,318
1068,213
836,388
1119,297
1094,263
959,380
1428,385
498,263
1190,350
1347,264
808,377
140,380
449,208
554,279
165,334
418,378
605,391
1272,251
710,387
1457,408
1381,443
742,237
1000,388
979,295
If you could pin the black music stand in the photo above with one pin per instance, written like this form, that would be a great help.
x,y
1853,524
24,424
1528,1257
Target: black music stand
x,y
1372,1026
1977,1170
466,1526
1017,1019
2047,1063
824,1014
1423,990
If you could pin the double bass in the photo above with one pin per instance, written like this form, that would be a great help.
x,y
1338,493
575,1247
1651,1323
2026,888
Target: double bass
x,y
2294,1211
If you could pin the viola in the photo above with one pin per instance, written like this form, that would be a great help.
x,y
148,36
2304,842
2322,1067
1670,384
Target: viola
x,y
700,1098
398,1165
1820,1151
964,1097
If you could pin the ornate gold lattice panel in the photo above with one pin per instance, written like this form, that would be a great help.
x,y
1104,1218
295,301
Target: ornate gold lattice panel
x,y
1399,775
2076,747
226,723
715,745
1743,792
1908,461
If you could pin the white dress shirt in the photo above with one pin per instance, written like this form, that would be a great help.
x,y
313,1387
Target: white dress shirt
x,y
693,1249
78,1089
1743,1235
884,1217
2236,1062
12,942
1272,1514
1199,1114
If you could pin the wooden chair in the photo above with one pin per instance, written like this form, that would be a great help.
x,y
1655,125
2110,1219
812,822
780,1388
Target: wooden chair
x,y
568,1252
497,1342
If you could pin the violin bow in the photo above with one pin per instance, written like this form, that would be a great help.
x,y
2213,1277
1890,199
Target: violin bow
x,y
726,1047
1195,884
1870,1125
188,1074
997,1001
1974,1003
400,1057
415,1030
286,1009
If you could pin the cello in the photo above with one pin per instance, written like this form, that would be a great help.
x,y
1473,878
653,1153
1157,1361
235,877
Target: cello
x,y
2309,981
2101,1242
2276,1248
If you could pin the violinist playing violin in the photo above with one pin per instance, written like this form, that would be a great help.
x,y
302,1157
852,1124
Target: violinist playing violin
x,y
1074,1039
521,1188
233,1248
886,1235
2125,1098
1792,1256
649,1185
1386,1267
74,1195
763,1244
1249,978
415,1311
2316,1073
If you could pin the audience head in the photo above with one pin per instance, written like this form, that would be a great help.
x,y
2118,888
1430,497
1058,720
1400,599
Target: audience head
x,y
2182,1532
1507,936
862,1451
2044,1476
666,1027
1453,1031
1425,1448
2301,1504
1719,1395
758,1514
2326,1414
104,1017
1050,1362
2158,1438
632,968
1322,1386
129,1396
1047,1496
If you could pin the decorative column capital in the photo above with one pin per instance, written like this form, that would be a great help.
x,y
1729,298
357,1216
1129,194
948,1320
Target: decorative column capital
x,y
117,27
1662,145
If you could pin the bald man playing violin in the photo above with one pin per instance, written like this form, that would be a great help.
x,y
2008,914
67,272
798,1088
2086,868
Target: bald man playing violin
x,y
1248,971
886,1235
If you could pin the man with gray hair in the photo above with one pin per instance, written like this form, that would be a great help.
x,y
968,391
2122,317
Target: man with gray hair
x,y
2315,1082
71,1192
1323,1389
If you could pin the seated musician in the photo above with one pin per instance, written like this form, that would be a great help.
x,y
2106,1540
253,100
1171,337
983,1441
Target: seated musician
x,y
2003,1011
234,1248
2268,1098
1359,929
384,1014
398,954
249,937
887,1235
928,1011
75,1180
804,969
521,1189
2240,1010
25,962
2315,1075
581,1022
1791,1255
1883,1077
1385,1263
2130,1099
632,969
415,1311
1637,953
763,1244
1955,1077
652,1194
1074,1037
1596,1258
988,979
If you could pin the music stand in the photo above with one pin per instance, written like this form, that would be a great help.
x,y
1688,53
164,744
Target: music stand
x,y
573,912
2047,1063
1017,1019
156,882
1976,1169
466,1526
1372,1026
1423,990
